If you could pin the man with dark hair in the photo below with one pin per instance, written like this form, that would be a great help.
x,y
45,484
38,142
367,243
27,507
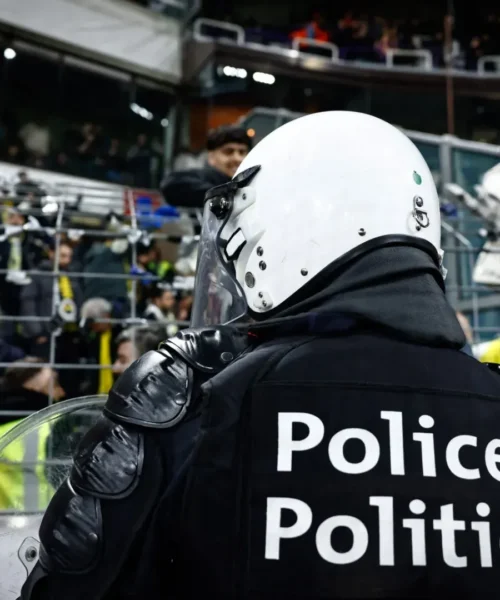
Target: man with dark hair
x,y
37,298
227,146
133,342
28,387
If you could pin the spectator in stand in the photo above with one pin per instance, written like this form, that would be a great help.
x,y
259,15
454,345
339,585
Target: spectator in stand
x,y
87,147
184,306
389,38
27,388
31,194
26,188
37,299
227,147
474,52
62,163
139,159
99,336
312,30
106,258
36,138
151,268
15,153
345,30
18,253
114,162
161,304
161,307
134,342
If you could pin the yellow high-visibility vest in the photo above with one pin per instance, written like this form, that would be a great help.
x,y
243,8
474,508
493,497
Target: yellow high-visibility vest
x,y
23,485
492,354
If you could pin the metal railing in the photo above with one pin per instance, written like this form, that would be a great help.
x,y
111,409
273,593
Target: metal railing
x,y
488,60
299,43
424,58
233,30
132,230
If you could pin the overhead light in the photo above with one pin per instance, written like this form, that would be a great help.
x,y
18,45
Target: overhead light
x,y
141,111
251,133
234,72
164,122
266,78
9,53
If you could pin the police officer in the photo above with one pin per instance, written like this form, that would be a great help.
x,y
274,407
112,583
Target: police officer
x,y
318,433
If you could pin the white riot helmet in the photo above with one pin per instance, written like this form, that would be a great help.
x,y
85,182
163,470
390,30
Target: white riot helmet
x,y
309,198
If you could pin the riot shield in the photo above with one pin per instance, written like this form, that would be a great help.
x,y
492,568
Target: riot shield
x,y
35,458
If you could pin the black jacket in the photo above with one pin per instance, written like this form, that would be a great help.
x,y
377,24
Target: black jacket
x,y
357,438
36,301
32,251
20,400
188,188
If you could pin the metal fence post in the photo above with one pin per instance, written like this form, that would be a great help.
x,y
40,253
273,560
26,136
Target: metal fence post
x,y
446,173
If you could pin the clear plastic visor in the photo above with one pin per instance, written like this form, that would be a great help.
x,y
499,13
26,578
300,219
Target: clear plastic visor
x,y
218,299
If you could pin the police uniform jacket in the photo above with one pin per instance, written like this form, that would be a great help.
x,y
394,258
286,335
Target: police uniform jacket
x,y
350,451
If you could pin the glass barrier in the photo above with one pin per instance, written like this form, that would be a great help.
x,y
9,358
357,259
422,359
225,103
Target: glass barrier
x,y
36,457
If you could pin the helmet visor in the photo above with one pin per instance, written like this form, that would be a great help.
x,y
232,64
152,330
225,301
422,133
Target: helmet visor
x,y
218,299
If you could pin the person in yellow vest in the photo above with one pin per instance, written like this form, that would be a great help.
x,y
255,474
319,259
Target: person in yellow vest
x,y
23,483
488,352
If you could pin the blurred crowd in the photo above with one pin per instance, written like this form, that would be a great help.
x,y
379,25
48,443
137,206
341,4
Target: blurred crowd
x,y
87,152
367,37
72,302
363,36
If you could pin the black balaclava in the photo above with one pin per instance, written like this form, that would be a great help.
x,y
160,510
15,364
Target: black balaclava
x,y
398,289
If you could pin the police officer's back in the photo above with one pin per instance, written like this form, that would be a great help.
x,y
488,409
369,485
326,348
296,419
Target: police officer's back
x,y
338,445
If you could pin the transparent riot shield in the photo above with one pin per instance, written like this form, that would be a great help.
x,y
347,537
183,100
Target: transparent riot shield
x,y
35,458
